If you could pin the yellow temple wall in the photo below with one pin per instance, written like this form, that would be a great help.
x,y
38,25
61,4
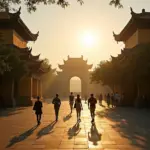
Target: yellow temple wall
x,y
132,41
143,36
11,37
18,41
6,36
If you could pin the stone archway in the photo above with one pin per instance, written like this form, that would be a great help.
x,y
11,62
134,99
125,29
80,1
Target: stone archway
x,y
73,67
75,85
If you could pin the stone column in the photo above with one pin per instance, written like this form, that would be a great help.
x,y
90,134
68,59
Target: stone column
x,y
25,91
35,88
40,88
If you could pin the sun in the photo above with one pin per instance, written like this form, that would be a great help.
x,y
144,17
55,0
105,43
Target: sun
x,y
88,40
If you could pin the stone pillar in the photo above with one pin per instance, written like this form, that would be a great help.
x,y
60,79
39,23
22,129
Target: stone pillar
x,y
35,88
40,88
25,92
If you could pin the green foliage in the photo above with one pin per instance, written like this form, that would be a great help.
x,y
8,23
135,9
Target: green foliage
x,y
132,64
116,3
12,66
31,5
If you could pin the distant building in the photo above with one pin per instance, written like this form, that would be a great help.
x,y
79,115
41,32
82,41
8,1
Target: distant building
x,y
15,34
75,67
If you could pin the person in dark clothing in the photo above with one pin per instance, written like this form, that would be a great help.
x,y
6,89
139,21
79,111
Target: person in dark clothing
x,y
100,99
112,100
78,106
71,101
56,101
108,99
92,106
38,109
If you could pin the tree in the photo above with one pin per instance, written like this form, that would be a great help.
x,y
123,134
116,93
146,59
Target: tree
x,y
130,70
32,4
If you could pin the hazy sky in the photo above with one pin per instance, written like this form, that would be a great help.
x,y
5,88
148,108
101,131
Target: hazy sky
x,y
62,30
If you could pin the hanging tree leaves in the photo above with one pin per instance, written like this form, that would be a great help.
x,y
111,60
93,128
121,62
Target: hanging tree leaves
x,y
31,5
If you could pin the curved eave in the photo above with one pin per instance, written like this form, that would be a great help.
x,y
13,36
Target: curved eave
x,y
90,66
35,57
137,20
61,67
28,35
116,37
13,20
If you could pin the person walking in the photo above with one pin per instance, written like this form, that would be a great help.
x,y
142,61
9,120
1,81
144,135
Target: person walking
x,y
38,110
78,106
108,99
92,106
57,102
112,100
100,99
85,98
71,101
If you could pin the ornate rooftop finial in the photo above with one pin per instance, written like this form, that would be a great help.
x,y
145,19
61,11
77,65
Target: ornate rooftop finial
x,y
143,10
132,12
19,11
64,61
38,33
114,33
30,49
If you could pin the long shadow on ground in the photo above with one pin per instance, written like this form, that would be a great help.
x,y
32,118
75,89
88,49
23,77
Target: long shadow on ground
x,y
94,136
132,124
73,131
21,137
46,130
66,118
11,111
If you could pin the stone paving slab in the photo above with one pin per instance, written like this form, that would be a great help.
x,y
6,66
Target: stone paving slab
x,y
114,129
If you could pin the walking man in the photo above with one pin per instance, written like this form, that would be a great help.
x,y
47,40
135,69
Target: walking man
x,y
100,99
92,106
56,101
38,109
108,99
71,101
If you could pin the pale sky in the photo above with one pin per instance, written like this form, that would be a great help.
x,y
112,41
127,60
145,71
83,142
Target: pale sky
x,y
62,30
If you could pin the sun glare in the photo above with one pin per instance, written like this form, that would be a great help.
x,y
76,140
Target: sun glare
x,y
89,40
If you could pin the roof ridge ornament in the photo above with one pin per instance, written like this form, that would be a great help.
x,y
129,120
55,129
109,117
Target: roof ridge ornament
x,y
114,33
19,11
143,10
132,12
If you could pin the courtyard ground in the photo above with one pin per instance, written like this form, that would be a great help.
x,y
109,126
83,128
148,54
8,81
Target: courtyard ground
x,y
114,129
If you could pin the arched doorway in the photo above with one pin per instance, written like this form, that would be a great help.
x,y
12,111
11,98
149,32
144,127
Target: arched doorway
x,y
75,85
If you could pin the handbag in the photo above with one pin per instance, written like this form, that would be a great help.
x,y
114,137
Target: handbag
x,y
75,105
34,107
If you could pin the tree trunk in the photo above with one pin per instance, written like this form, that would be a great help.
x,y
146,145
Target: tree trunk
x,y
12,94
137,100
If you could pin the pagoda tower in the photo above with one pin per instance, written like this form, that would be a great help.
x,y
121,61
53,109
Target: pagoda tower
x,y
15,34
137,30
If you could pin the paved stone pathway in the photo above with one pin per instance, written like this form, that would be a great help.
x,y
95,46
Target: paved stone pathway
x,y
114,129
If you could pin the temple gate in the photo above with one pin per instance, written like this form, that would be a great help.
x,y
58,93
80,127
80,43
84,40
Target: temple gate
x,y
73,67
